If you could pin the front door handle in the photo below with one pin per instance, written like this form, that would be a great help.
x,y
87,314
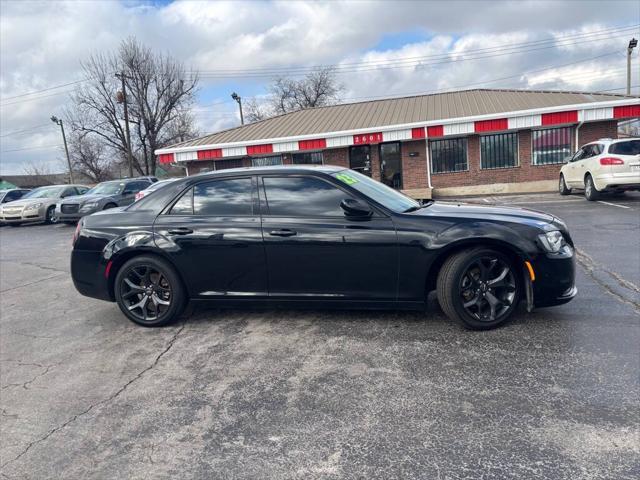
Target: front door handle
x,y
180,231
285,232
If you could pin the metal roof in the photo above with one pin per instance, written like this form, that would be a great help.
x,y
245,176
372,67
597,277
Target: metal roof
x,y
397,111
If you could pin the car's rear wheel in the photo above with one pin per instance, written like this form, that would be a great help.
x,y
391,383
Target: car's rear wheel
x,y
562,186
49,218
590,191
479,287
149,291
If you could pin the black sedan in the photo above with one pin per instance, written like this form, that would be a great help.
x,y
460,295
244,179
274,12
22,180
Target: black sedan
x,y
319,237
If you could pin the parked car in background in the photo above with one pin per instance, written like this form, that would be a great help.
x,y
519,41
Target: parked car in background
x,y
603,166
323,237
13,194
153,187
105,195
38,205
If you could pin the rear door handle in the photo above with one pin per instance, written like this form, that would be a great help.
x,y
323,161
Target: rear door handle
x,y
285,232
180,231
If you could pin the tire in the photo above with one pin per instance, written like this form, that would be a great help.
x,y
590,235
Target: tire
x,y
166,286
457,288
590,191
109,205
562,186
48,217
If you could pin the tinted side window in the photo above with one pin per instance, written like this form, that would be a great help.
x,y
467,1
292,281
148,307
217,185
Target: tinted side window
x,y
626,148
303,196
82,190
16,194
135,187
223,198
184,206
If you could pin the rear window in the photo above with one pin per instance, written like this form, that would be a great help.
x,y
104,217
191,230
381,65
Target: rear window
x,y
631,147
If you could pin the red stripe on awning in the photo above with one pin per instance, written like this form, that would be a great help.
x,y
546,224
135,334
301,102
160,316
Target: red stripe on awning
x,y
491,125
417,133
209,154
315,144
259,149
626,111
435,131
556,118
165,158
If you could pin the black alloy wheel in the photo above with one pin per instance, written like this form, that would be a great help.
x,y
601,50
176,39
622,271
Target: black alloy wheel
x,y
479,287
149,292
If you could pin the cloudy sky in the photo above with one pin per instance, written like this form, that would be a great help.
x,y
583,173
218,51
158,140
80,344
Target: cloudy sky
x,y
382,48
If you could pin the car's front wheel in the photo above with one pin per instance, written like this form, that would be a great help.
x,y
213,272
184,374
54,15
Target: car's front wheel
x,y
591,193
49,216
149,291
479,287
562,186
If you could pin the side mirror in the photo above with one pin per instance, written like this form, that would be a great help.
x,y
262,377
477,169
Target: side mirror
x,y
355,208
567,159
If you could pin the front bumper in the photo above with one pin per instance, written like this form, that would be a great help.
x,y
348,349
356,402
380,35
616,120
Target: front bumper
x,y
555,281
23,216
72,213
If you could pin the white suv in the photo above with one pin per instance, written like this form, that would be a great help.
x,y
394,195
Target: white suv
x,y
605,165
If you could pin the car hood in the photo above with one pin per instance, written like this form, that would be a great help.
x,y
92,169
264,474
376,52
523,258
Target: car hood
x,y
489,212
29,201
84,198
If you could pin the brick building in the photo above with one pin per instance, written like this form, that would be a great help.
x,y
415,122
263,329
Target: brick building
x,y
482,140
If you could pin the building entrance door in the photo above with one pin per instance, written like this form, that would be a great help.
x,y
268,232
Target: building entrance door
x,y
360,159
391,165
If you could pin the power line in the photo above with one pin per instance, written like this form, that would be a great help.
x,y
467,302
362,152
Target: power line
x,y
18,132
30,148
394,63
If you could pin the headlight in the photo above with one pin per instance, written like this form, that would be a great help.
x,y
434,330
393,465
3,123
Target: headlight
x,y
89,206
34,206
552,242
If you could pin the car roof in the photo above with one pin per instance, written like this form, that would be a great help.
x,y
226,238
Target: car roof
x,y
328,169
608,141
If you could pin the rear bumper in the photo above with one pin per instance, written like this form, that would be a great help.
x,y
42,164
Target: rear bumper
x,y
626,180
88,274
555,281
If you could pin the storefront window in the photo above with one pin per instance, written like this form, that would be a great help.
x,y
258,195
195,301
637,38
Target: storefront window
x,y
499,151
231,163
307,158
449,155
551,145
266,161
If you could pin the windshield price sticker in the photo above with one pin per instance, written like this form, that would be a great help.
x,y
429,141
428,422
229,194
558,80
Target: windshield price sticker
x,y
345,178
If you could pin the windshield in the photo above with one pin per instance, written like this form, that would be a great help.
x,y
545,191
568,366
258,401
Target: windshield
x,y
107,188
154,186
45,192
379,192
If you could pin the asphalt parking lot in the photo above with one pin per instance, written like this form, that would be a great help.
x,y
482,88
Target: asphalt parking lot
x,y
323,394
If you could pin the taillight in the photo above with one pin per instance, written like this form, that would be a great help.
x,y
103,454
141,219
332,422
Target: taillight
x,y
611,161
76,234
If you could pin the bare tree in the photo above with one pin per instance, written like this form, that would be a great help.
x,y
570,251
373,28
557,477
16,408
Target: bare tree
x,y
90,156
159,92
40,171
319,88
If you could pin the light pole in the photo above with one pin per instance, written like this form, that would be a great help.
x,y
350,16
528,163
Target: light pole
x,y
238,99
633,43
121,97
58,121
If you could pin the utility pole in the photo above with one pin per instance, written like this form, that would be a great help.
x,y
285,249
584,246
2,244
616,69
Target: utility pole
x,y
58,121
238,99
121,97
632,44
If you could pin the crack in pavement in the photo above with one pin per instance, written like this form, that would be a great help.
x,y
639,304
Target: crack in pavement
x,y
590,267
34,282
101,402
29,382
